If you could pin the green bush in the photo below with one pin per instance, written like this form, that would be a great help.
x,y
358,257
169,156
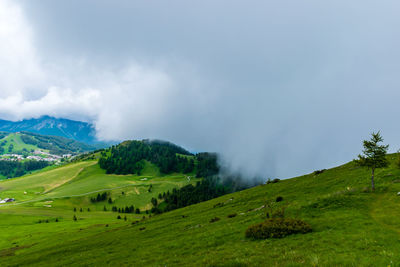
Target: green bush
x,y
277,228
319,171
215,219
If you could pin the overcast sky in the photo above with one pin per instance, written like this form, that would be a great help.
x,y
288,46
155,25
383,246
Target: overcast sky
x,y
280,88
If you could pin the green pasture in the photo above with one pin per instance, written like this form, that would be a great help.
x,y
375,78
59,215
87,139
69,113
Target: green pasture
x,y
352,226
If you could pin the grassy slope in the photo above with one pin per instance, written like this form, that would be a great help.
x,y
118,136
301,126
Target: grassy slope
x,y
351,227
18,144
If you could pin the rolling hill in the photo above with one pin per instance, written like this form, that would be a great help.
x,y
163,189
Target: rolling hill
x,y
351,226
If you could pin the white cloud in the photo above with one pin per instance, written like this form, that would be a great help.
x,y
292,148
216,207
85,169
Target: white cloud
x,y
278,93
20,69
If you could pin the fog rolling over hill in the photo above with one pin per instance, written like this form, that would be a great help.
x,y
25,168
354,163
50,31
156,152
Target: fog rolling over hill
x,y
46,125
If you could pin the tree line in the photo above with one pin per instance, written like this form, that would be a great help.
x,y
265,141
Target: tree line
x,y
11,169
100,197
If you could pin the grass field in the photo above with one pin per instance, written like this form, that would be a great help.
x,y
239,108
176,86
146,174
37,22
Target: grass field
x,y
352,226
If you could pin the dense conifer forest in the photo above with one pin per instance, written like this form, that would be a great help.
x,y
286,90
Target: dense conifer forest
x,y
129,157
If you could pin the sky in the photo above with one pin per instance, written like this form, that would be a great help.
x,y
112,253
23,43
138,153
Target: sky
x,y
278,88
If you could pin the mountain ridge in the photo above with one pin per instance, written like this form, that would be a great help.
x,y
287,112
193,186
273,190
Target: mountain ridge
x,y
47,125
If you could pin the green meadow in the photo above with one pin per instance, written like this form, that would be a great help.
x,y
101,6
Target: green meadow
x,y
15,140
352,226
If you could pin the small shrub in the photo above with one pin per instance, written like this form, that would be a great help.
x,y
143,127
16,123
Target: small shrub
x,y
119,217
279,199
319,171
398,158
365,189
271,210
277,228
218,205
215,219
269,181
142,228
232,215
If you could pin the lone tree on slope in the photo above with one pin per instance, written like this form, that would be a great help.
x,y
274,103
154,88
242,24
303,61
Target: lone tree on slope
x,y
374,155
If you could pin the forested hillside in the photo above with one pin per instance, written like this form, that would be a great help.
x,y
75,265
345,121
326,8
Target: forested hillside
x,y
55,144
129,156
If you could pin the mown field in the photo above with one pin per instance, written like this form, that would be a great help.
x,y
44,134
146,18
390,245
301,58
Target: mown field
x,y
352,226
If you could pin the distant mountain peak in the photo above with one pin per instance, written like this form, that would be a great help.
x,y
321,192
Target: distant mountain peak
x,y
47,125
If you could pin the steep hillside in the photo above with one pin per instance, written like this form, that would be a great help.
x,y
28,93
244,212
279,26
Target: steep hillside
x,y
352,226
76,130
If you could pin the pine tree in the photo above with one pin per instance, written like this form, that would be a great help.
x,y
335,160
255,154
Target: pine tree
x,y
374,155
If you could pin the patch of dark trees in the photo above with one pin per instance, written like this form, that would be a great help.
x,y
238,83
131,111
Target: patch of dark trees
x,y
319,171
11,169
207,164
212,186
129,156
100,197
209,188
127,209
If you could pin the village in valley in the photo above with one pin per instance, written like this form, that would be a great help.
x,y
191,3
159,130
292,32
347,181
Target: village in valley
x,y
37,155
